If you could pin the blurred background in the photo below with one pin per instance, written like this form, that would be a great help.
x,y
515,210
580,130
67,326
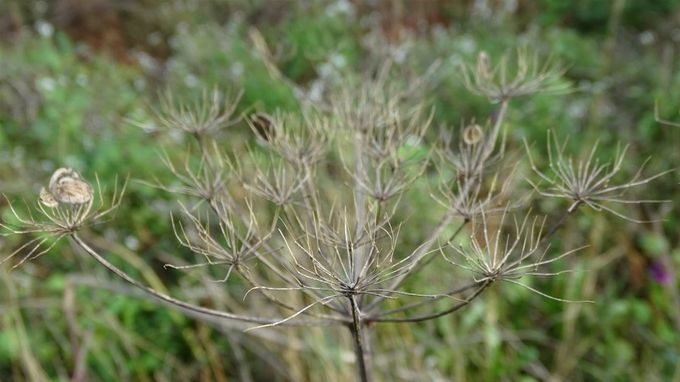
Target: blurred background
x,y
74,73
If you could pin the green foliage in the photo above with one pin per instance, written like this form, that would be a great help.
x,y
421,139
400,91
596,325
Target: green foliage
x,y
75,112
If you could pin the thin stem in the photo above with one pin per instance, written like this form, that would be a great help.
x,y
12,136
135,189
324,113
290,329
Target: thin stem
x,y
490,143
358,337
423,264
191,307
458,230
428,300
431,316
276,300
560,222
359,205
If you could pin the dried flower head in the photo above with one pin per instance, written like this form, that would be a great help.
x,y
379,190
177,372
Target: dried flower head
x,y
513,77
67,186
473,134
63,208
495,256
470,199
47,199
236,243
588,181
278,181
205,178
474,152
300,140
211,112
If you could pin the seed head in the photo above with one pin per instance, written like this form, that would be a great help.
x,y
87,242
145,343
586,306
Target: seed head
x,y
47,199
63,208
513,76
66,186
589,181
472,134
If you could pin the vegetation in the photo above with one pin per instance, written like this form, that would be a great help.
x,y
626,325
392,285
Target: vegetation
x,y
298,169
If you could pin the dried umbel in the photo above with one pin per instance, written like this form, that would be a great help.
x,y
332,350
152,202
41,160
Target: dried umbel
x,y
66,186
589,181
302,141
213,111
475,152
47,199
204,179
280,182
239,242
473,134
499,256
513,76
63,208
495,254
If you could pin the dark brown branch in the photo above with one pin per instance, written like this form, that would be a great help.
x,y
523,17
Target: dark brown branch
x,y
429,300
358,336
431,316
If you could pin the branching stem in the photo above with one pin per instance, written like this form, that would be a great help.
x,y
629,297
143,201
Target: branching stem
x,y
431,316
191,307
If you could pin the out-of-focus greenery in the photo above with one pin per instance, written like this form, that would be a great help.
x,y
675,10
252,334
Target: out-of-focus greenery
x,y
67,100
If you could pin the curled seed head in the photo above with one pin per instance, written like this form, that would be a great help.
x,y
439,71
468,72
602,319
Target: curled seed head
x,y
67,186
47,199
472,134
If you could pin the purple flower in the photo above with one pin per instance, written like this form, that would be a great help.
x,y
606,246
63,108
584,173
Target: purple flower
x,y
660,273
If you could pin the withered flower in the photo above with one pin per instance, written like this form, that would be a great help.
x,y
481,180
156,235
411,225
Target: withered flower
x,y
472,134
66,186
63,208
589,181
513,76
47,199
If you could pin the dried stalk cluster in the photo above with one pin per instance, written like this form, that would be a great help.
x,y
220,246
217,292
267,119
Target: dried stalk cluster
x,y
310,216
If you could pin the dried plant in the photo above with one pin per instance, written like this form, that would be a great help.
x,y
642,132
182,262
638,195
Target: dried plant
x,y
588,181
64,208
514,76
508,258
210,113
310,219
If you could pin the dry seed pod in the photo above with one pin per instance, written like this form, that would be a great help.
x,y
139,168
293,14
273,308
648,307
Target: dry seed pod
x,y
47,199
67,186
472,134
263,124
483,66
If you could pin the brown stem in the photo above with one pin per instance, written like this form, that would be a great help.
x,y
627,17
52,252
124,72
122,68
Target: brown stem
x,y
359,338
431,316
560,222
424,263
191,307
417,304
